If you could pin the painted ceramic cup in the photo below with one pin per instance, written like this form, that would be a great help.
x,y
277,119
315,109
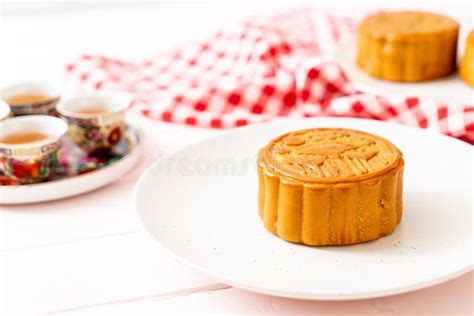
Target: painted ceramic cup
x,y
96,121
30,98
4,110
30,161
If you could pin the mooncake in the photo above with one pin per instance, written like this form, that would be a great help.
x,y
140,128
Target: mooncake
x,y
330,186
407,46
466,68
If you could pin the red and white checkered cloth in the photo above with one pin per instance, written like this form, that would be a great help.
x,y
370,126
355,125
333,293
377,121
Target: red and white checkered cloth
x,y
261,69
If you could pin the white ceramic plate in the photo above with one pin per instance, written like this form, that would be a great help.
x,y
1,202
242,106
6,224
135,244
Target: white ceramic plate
x,y
450,89
208,218
77,184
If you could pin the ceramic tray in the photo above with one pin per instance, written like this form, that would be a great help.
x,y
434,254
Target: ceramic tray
x,y
78,172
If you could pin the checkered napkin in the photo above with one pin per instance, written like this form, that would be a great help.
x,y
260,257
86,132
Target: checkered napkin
x,y
261,69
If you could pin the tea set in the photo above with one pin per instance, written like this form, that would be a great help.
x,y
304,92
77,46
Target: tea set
x,y
44,138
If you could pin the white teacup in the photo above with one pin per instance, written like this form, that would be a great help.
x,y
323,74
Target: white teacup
x,y
29,146
29,98
96,120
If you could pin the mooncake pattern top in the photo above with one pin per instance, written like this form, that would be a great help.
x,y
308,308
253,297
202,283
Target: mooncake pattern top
x,y
330,155
390,25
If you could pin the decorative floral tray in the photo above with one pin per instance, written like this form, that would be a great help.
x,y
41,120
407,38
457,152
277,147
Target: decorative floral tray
x,y
78,172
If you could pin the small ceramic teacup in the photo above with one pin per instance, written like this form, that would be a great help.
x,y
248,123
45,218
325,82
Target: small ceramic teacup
x,y
30,98
29,146
96,121
4,110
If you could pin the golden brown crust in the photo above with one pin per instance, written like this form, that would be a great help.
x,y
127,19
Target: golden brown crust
x,y
330,155
407,46
466,68
337,208
407,25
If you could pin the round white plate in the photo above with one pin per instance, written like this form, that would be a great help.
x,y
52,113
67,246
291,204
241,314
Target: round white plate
x,y
201,205
450,89
75,185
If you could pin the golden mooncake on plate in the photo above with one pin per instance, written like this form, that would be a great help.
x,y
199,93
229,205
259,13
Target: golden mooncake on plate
x,y
329,186
466,68
407,46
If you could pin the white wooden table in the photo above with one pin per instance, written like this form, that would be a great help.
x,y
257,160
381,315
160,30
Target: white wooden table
x,y
89,254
